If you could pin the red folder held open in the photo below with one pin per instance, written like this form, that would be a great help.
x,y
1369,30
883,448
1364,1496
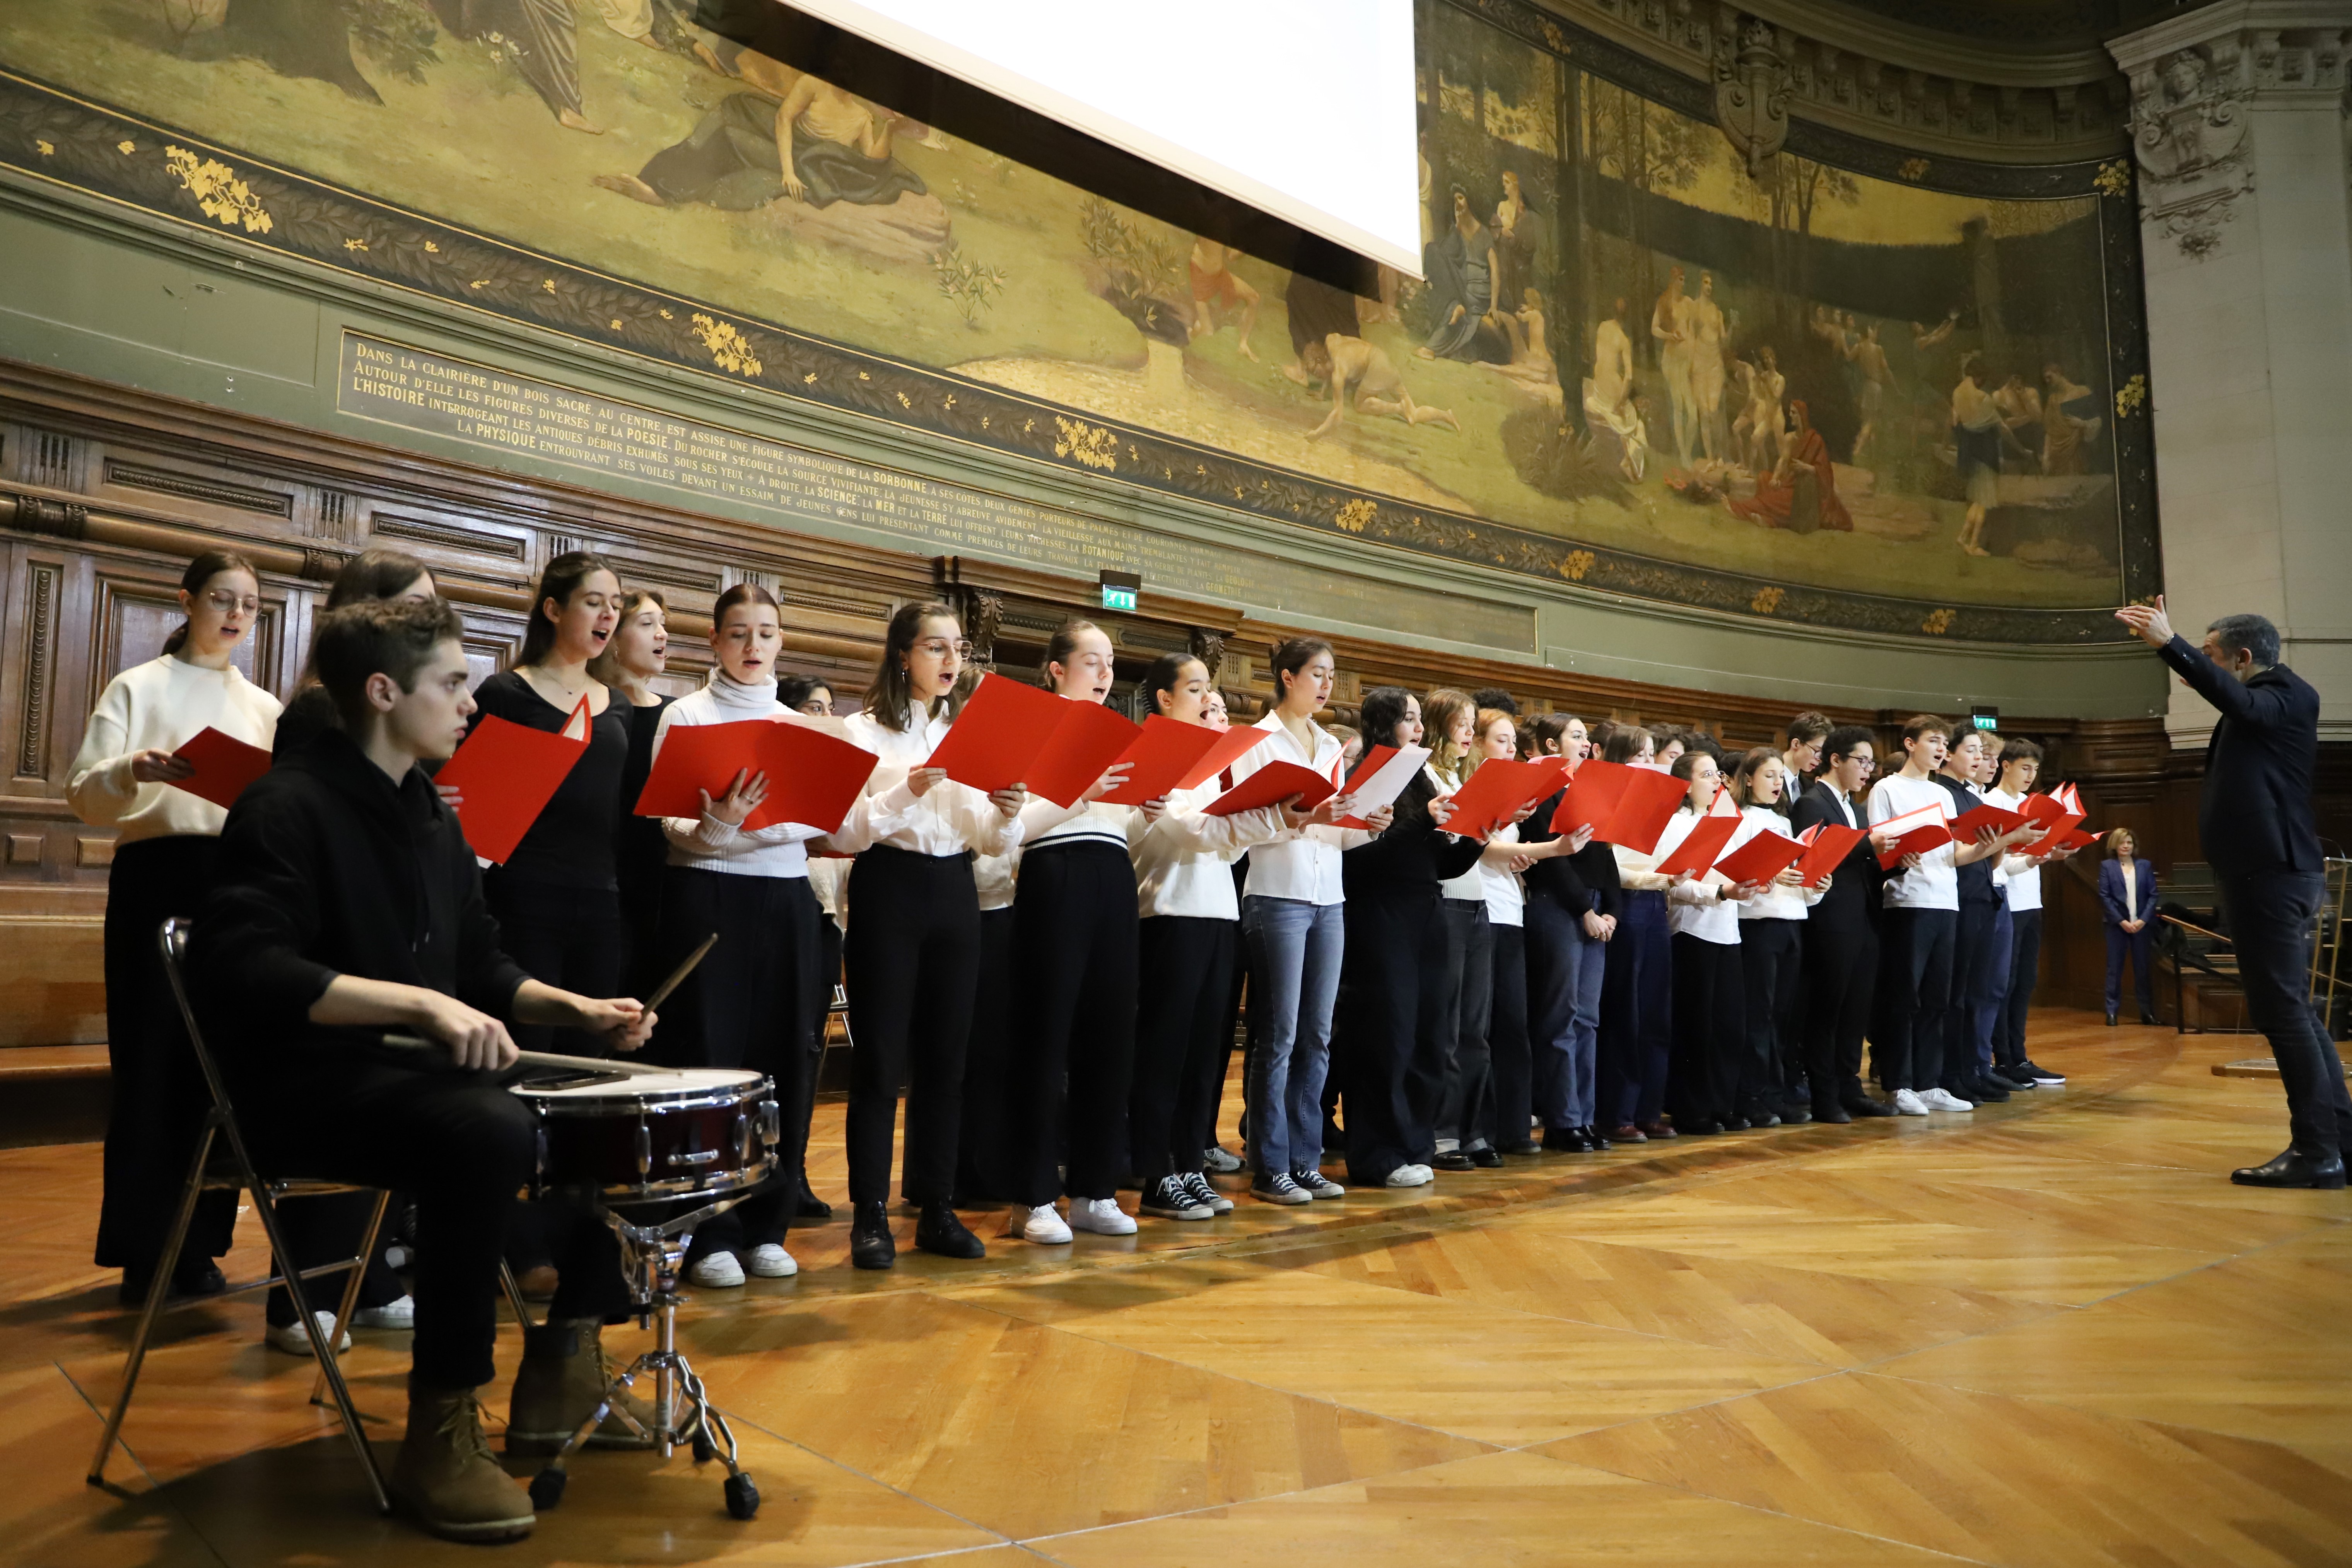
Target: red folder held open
x,y
1275,781
812,777
1651,799
224,766
1498,790
1913,833
1762,858
1826,846
998,733
1170,755
1699,847
505,774
1090,739
1969,824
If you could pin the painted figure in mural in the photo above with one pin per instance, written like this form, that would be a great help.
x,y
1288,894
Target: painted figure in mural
x,y
1316,309
1517,232
1612,359
1706,369
1799,493
1868,359
1756,433
1670,324
1218,292
1976,446
1461,268
1341,361
540,37
1531,364
820,146
1618,432
2069,421
2021,417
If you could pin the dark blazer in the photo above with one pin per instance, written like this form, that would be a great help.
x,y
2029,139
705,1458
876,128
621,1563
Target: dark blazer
x,y
2255,814
2111,889
1852,895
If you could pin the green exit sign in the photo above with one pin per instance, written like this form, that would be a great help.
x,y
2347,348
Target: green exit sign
x,y
1120,589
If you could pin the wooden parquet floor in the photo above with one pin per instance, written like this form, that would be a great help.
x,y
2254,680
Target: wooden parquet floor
x,y
2049,1334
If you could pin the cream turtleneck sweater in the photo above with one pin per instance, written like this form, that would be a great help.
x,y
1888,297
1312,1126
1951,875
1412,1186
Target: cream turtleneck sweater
x,y
161,706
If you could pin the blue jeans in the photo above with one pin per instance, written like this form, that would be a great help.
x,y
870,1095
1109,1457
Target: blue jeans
x,y
1994,1005
1565,970
1295,953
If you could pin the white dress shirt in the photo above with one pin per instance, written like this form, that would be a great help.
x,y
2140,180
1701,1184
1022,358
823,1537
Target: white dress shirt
x,y
1184,862
948,820
2024,871
1471,885
1301,863
1775,902
1935,882
1506,897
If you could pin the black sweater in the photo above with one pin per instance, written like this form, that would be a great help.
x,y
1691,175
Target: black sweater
x,y
1853,899
572,843
1586,880
328,868
1414,856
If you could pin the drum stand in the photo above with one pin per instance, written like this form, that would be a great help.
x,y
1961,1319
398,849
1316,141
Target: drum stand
x,y
683,1414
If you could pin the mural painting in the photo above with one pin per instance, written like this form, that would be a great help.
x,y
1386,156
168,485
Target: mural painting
x,y
1797,390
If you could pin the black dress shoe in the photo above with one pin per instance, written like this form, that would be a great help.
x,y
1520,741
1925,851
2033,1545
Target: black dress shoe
x,y
1796,1113
1981,1091
1735,1122
810,1206
1486,1159
939,1231
1561,1140
1831,1112
2111,1018
2147,1018
1453,1160
1592,1135
870,1243
2296,1167
1698,1129
1524,1146
1863,1105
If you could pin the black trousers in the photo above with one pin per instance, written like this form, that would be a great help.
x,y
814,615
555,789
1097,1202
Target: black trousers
x,y
570,938
2024,971
1466,1104
1200,1097
2270,924
1710,1031
1771,963
828,974
1840,974
1507,1040
1972,990
912,954
1384,1040
1180,1036
751,1003
988,1072
1637,1013
159,1095
1074,967
1916,977
461,1146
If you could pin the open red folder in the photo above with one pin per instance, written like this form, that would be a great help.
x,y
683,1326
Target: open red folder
x,y
998,733
2071,838
1969,824
1762,858
505,774
1634,811
1275,781
1913,833
812,777
1498,787
1826,846
1380,776
2053,816
1699,847
1090,739
224,766
1170,755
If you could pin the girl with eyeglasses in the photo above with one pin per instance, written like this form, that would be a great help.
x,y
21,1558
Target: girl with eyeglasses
x,y
1771,951
166,850
1466,1102
911,953
1711,989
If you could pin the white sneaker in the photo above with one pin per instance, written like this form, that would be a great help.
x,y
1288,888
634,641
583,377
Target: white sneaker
x,y
1043,1226
717,1271
1944,1100
294,1338
399,1314
1908,1103
1411,1176
771,1262
1103,1216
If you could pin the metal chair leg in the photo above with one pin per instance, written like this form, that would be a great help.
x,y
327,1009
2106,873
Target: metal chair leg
x,y
514,1295
158,1288
266,1208
351,1300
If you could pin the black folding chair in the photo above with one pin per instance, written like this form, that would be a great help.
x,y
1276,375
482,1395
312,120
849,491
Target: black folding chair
x,y
223,1163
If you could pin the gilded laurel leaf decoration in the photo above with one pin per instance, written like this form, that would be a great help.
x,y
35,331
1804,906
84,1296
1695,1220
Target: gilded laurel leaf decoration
x,y
1577,563
1937,623
2114,178
2130,396
1354,516
728,347
1090,445
1767,600
1913,169
220,194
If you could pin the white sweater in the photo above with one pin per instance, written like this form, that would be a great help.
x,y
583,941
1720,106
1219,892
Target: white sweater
x,y
161,706
1775,902
1692,907
710,844
1184,862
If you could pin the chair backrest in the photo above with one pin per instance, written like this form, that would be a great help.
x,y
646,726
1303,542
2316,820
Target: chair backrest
x,y
172,938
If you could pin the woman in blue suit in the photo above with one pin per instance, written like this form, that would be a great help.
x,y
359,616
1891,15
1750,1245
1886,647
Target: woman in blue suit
x,y
2127,893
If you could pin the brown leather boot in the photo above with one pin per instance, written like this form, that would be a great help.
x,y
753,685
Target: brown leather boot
x,y
564,1373
446,1477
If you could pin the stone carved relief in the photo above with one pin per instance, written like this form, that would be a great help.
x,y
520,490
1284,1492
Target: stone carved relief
x,y
1751,90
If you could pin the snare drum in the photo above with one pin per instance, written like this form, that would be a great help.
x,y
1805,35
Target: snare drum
x,y
687,1133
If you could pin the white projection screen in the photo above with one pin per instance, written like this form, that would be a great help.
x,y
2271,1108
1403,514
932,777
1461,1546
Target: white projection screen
x,y
1303,109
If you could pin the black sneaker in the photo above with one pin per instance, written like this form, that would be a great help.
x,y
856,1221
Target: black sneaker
x,y
2041,1075
2011,1078
1279,1188
1169,1198
1198,1185
1863,1105
1982,1090
940,1231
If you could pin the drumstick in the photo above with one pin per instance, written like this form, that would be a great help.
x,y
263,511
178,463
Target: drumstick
x,y
677,976
411,1042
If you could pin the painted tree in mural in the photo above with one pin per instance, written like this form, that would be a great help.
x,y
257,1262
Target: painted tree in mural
x,y
1649,150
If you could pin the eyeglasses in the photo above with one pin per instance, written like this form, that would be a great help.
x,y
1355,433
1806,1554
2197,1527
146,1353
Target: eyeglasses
x,y
940,648
224,603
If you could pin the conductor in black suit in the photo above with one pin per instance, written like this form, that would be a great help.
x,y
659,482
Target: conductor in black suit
x,y
2255,823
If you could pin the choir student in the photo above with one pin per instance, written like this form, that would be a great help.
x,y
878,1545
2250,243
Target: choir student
x,y
2021,769
166,857
1568,927
1466,1102
912,951
1993,1000
1709,990
1293,928
1802,754
1392,1074
557,898
373,574
1636,1035
1977,936
1073,980
750,1003
1771,951
1841,936
1215,1158
1189,943
637,654
1506,901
